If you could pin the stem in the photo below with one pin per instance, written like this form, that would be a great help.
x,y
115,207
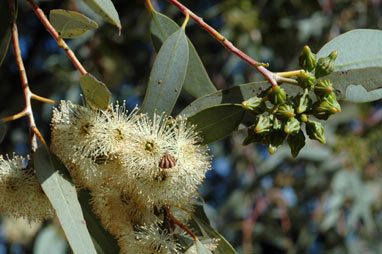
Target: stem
x,y
60,42
43,99
14,117
27,111
150,6
288,74
180,224
260,67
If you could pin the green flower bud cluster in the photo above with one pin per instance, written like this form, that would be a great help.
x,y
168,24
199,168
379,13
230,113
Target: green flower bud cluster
x,y
280,117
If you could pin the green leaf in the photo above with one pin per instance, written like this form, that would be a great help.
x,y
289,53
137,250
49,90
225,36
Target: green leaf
x,y
356,49
358,85
217,122
104,239
236,94
63,196
197,83
96,92
3,131
71,24
224,247
5,29
105,9
167,75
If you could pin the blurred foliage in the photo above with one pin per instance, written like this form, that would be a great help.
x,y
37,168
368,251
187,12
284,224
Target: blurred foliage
x,y
328,200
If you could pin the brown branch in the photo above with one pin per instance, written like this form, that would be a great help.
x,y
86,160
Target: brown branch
x,y
60,42
27,111
260,67
180,224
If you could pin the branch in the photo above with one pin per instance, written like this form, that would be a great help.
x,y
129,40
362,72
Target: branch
x,y
27,111
60,42
180,224
260,67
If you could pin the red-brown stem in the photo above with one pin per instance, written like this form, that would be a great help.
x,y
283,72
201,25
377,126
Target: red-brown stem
x,y
180,224
270,76
61,43
27,111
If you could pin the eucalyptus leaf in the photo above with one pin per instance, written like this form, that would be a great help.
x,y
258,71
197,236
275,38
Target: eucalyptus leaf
x,y
71,24
224,247
5,28
105,9
356,49
104,239
358,85
3,131
167,75
62,194
96,92
197,83
217,122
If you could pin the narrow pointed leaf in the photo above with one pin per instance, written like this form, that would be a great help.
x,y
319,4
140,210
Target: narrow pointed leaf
x,y
197,83
5,29
105,9
104,239
217,122
224,247
167,75
63,196
96,92
356,49
71,24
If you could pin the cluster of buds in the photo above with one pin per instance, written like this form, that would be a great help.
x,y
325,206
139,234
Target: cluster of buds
x,y
280,117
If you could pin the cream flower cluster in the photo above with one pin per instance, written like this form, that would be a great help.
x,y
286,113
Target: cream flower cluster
x,y
21,195
137,168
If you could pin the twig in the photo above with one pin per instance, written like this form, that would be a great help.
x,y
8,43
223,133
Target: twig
x,y
27,111
180,224
60,42
260,67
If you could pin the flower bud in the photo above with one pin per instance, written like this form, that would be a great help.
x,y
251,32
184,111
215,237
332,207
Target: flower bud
x,y
315,130
307,60
296,143
306,80
274,140
277,95
264,124
323,88
285,111
328,106
325,65
255,105
292,126
302,102
304,118
277,125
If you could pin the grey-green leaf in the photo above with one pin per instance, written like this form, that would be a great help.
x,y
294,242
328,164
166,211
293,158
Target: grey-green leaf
x,y
71,24
217,122
63,197
224,247
358,85
105,9
197,83
96,92
104,239
167,75
356,49
5,29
